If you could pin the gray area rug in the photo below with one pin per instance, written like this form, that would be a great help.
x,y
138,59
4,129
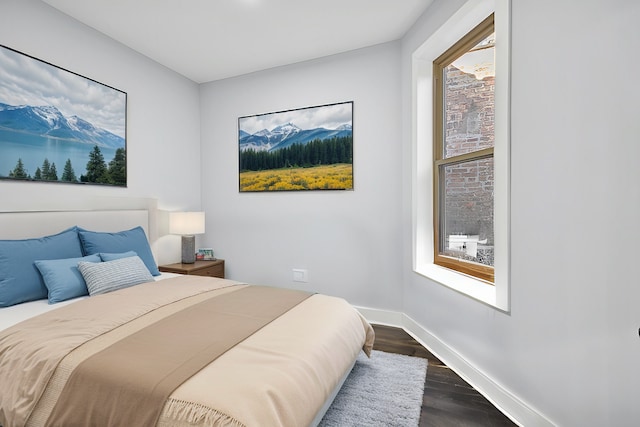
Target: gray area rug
x,y
385,390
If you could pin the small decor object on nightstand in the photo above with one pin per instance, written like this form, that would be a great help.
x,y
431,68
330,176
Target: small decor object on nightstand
x,y
205,254
187,224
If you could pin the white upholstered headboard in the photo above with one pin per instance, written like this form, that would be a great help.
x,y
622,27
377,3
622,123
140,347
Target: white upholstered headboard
x,y
19,220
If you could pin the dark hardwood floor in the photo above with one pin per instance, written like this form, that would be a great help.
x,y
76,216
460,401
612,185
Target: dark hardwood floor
x,y
448,400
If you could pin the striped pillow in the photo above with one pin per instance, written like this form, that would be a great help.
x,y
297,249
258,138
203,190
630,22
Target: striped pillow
x,y
102,277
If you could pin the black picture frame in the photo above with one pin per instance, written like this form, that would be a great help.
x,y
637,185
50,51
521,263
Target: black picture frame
x,y
302,149
59,126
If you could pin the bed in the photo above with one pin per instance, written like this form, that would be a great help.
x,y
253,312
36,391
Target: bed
x,y
151,348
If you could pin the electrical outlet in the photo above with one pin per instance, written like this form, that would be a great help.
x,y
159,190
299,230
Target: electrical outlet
x,y
300,275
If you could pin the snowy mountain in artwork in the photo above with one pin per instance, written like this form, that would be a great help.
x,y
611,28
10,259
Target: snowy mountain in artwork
x,y
49,121
287,134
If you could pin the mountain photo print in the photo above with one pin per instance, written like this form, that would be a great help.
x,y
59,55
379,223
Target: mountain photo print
x,y
302,149
58,126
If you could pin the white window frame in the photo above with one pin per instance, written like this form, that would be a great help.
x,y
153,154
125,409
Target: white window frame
x,y
464,20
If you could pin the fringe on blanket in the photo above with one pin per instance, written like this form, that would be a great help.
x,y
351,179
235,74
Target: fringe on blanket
x,y
183,413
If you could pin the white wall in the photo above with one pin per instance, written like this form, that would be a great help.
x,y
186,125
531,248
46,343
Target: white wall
x,y
163,121
569,348
348,240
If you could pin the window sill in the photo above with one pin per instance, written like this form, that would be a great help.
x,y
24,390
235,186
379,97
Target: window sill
x,y
467,285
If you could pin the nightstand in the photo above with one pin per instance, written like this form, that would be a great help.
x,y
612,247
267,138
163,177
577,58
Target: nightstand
x,y
213,268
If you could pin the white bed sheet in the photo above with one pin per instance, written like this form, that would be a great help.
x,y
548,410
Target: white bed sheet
x,y
9,316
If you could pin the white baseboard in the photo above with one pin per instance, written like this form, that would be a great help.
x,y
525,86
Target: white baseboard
x,y
382,317
514,408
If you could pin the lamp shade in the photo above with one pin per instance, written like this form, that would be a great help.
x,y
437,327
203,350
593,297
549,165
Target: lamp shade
x,y
186,223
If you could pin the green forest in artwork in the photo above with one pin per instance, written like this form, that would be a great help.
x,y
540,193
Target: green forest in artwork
x,y
97,170
318,152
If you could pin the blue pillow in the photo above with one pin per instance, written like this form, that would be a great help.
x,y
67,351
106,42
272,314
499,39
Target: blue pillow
x,y
62,277
94,242
106,257
20,280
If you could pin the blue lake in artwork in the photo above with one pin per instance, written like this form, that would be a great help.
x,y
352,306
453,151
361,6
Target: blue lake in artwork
x,y
33,149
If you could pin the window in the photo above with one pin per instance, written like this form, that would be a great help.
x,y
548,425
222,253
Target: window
x,y
486,159
464,111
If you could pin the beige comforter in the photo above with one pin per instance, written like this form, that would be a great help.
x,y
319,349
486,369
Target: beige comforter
x,y
281,375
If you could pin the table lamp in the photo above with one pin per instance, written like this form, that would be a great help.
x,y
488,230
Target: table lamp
x,y
187,224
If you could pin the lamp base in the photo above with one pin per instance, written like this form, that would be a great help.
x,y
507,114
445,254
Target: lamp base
x,y
188,249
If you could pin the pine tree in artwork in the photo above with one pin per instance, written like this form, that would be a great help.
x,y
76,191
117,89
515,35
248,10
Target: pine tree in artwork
x,y
68,174
46,167
53,173
19,171
118,168
96,167
38,174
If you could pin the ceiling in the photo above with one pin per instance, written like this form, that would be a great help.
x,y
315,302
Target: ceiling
x,y
208,40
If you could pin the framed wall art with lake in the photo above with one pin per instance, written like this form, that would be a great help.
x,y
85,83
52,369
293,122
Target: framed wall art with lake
x,y
59,126
301,149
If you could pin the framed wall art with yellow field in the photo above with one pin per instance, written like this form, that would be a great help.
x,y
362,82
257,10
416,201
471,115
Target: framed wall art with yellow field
x,y
307,148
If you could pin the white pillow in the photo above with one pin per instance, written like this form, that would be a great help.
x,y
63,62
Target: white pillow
x,y
102,277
